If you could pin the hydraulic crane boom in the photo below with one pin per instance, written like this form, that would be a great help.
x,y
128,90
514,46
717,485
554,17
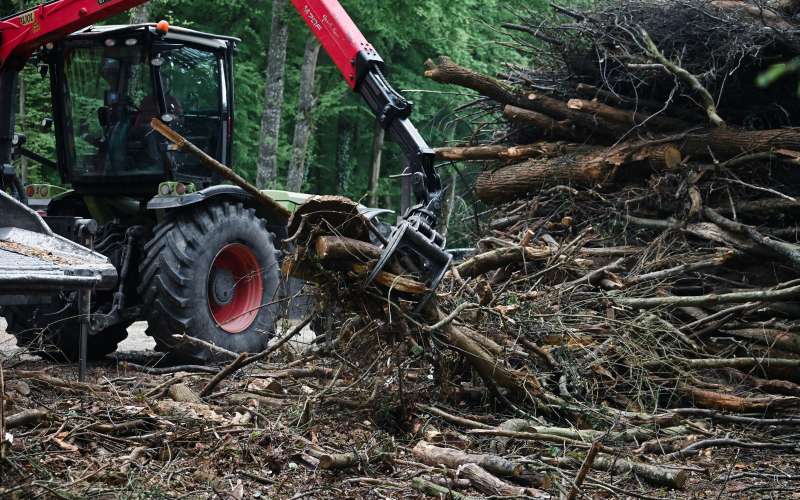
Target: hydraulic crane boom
x,y
23,33
362,68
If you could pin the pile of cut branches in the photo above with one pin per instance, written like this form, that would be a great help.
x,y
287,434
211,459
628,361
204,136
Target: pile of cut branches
x,y
626,327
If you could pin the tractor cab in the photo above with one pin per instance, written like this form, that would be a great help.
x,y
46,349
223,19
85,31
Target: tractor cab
x,y
108,82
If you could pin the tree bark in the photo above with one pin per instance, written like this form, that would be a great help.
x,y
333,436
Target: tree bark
x,y
273,97
436,456
787,341
589,168
653,474
344,154
628,118
339,248
444,70
490,485
375,172
304,124
140,14
501,152
547,126
730,402
727,143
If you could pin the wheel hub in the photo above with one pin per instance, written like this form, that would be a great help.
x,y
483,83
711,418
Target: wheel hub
x,y
235,288
222,286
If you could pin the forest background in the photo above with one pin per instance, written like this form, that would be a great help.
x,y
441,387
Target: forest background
x,y
343,141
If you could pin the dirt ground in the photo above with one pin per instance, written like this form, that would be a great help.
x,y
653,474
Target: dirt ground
x,y
263,433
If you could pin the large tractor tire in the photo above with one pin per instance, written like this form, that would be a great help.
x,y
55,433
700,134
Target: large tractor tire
x,y
53,331
211,272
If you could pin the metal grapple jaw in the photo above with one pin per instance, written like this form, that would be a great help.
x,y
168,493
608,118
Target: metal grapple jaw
x,y
418,248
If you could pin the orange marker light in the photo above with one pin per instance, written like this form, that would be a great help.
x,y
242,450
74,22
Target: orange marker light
x,y
162,27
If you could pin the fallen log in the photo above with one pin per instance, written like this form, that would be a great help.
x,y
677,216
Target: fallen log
x,y
730,402
713,299
490,485
436,456
444,70
545,125
26,418
500,152
330,248
652,474
428,488
787,341
629,118
589,167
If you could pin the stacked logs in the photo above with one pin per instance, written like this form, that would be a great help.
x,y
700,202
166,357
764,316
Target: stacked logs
x,y
619,98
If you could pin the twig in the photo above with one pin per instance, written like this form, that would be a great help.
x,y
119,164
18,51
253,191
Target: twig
x,y
584,470
708,300
688,78
244,360
222,374
450,317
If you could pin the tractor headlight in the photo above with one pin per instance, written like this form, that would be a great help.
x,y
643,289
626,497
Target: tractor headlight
x,y
180,188
165,189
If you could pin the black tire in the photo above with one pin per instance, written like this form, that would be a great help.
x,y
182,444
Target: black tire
x,y
176,277
54,332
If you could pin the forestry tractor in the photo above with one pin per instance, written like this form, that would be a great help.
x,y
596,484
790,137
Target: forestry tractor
x,y
168,242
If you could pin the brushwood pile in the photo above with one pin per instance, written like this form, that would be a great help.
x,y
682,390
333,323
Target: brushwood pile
x,y
627,325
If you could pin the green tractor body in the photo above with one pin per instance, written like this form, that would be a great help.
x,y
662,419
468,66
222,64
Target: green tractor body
x,y
194,256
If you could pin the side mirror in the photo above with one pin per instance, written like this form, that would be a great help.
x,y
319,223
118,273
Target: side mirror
x,y
47,124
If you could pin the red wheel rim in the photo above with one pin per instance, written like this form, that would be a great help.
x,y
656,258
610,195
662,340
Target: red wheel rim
x,y
235,288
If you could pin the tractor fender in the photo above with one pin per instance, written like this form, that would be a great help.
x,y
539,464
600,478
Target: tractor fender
x,y
276,222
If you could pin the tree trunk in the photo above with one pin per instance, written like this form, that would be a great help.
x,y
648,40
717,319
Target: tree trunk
x,y
140,14
489,484
727,143
21,121
625,117
499,152
592,167
377,154
273,97
340,248
545,125
303,126
344,155
450,201
436,456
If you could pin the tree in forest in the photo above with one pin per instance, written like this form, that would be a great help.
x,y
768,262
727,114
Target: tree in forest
x,y
377,153
303,125
344,154
140,14
273,97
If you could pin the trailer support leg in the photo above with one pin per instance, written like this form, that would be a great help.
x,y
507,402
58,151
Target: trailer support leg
x,y
84,311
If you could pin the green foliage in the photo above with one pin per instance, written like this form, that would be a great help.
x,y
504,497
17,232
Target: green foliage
x,y
778,71
405,33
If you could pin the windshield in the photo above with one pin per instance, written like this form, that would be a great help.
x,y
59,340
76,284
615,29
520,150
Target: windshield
x,y
110,100
191,81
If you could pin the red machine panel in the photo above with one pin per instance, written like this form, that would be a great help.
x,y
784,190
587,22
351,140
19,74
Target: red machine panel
x,y
26,32
337,33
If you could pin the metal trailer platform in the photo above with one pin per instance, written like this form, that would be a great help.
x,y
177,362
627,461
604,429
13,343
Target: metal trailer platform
x,y
34,260
36,264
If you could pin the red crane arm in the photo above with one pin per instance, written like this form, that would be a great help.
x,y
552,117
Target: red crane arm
x,y
338,35
23,33
362,69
